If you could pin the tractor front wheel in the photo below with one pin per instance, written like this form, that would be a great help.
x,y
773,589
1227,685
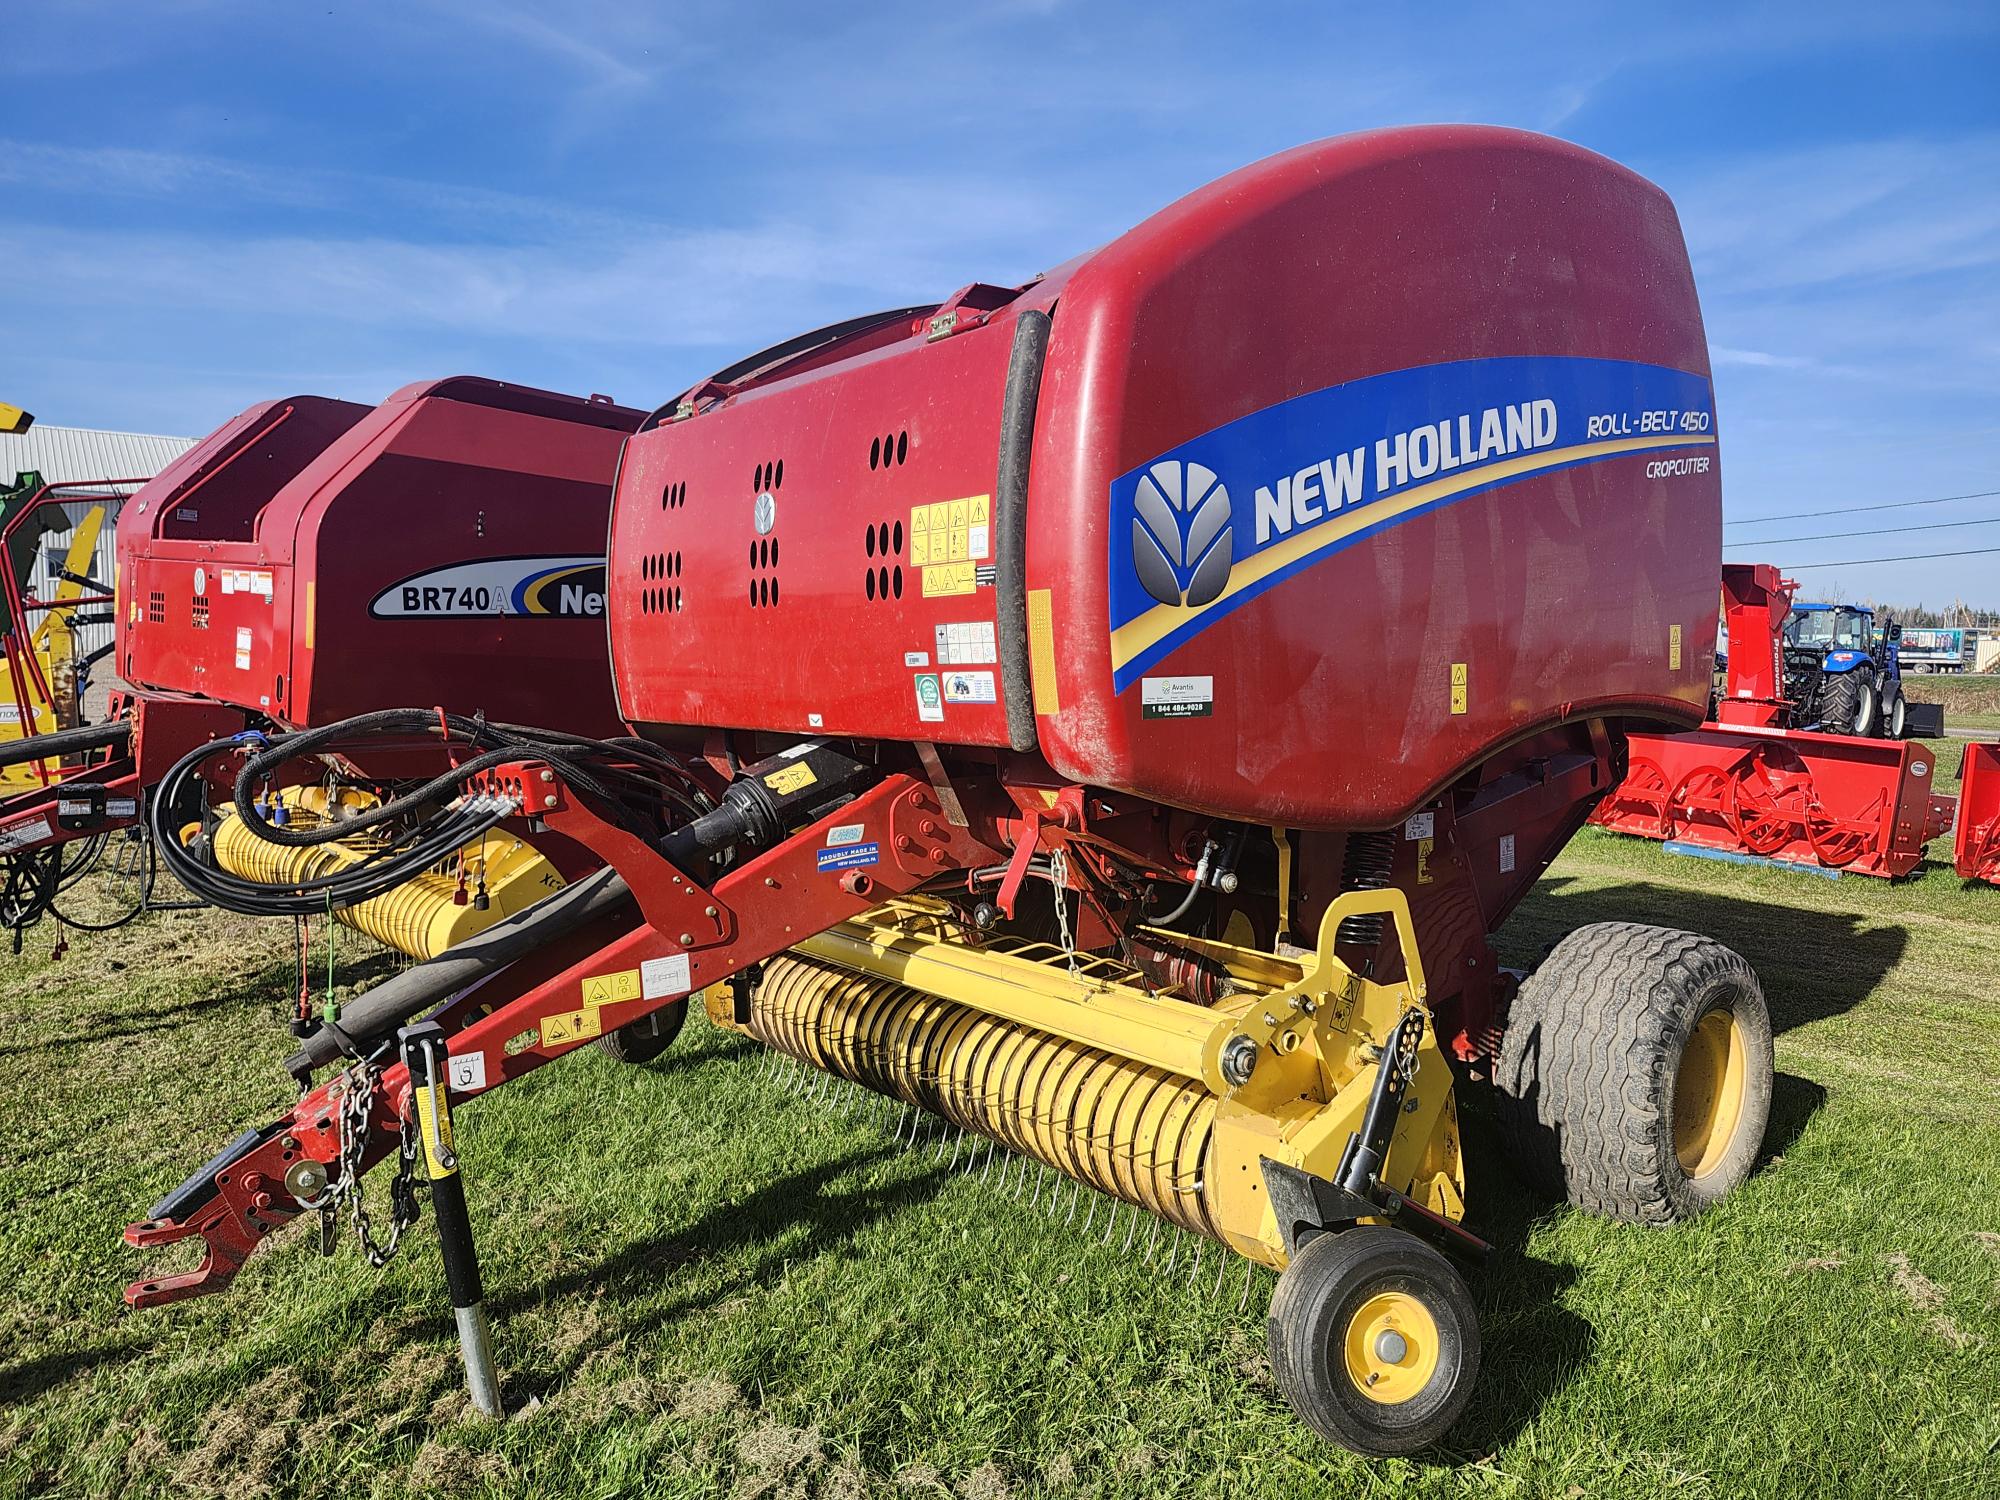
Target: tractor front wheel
x,y
1895,712
1374,1340
646,1038
1635,1072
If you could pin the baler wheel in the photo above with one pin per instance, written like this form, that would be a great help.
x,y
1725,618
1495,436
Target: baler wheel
x,y
1635,1074
1374,1340
646,1038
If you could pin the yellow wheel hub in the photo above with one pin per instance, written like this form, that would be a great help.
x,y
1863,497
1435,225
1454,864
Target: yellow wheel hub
x,y
1708,1093
1391,1347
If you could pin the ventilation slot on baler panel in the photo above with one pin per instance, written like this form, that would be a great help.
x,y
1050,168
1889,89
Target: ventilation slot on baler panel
x,y
156,607
198,612
765,482
890,451
659,575
764,573
882,577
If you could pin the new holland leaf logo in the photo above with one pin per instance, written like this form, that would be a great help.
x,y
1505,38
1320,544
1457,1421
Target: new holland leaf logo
x,y
1181,539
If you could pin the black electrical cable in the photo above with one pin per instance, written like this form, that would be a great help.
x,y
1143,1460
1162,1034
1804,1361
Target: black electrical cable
x,y
417,832
1829,536
426,843
1869,562
139,908
1846,510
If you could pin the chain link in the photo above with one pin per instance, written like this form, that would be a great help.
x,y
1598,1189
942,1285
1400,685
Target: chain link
x,y
357,1104
1059,884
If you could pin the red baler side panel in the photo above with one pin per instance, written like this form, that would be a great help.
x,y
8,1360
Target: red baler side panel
x,y
822,622
1555,593
488,502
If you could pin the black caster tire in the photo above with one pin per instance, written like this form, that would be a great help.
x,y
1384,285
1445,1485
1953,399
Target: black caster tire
x,y
1374,1340
646,1038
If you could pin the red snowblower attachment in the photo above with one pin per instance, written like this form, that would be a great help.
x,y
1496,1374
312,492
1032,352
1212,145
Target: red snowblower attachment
x,y
1978,847
1744,785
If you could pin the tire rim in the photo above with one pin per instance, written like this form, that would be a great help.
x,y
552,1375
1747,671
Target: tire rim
x,y
1391,1347
1708,1093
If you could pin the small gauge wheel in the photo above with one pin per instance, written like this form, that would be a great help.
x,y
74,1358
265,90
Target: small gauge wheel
x,y
1374,1340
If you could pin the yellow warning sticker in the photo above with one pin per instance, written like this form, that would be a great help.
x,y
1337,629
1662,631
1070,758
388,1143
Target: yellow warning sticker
x,y
1042,652
1674,648
611,989
793,778
434,1125
951,531
1458,687
1340,1007
1424,847
572,1026
942,579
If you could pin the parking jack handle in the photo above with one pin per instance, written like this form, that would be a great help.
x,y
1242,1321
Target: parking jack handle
x,y
424,1053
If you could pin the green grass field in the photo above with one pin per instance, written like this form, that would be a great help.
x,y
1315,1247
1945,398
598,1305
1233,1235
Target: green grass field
x,y
1969,702
707,1283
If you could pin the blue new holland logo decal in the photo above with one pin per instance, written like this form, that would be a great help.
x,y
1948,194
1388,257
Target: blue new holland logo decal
x,y
1204,528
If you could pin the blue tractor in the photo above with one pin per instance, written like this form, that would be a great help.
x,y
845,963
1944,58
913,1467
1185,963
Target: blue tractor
x,y
1843,677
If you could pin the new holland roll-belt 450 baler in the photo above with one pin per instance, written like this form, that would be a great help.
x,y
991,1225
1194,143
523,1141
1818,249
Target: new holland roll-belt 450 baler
x,y
1113,714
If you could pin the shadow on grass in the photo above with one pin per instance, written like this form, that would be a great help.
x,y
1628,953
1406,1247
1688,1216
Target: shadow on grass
x,y
766,1226
35,1377
1813,964
1533,1344
271,983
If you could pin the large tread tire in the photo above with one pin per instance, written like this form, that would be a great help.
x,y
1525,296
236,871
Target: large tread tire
x,y
646,1038
1848,705
1585,1090
1332,1280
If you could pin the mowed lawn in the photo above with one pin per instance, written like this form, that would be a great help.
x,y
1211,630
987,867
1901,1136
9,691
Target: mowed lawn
x,y
707,1281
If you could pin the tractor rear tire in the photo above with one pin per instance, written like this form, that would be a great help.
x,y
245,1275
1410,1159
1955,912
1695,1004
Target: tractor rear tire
x,y
1849,705
1635,1072
1374,1340
646,1038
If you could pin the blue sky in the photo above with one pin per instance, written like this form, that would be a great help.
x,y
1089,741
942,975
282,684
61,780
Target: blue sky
x,y
206,204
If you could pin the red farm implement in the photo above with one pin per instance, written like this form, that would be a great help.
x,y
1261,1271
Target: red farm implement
x,y
315,559
993,739
1744,785
1977,854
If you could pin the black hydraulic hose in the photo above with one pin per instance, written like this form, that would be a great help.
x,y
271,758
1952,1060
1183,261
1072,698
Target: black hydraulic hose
x,y
370,1018
66,742
437,839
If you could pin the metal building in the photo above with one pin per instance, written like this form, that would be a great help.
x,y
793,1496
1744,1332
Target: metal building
x,y
70,454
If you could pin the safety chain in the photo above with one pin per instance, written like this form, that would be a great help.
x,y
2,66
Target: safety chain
x,y
1059,883
356,1105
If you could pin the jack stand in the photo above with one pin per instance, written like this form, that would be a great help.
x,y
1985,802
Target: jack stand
x,y
424,1053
